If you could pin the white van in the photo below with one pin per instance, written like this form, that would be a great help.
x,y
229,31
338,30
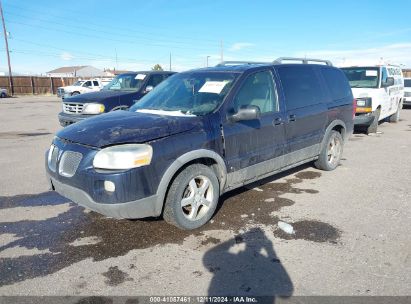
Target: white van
x,y
379,91
407,91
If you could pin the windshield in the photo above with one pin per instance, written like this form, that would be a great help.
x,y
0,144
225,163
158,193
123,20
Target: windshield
x,y
195,93
407,83
78,83
362,77
126,82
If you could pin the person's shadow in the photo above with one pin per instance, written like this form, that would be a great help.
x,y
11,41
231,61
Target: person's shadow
x,y
247,266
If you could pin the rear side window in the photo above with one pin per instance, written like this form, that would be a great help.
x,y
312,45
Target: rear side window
x,y
95,83
336,82
301,86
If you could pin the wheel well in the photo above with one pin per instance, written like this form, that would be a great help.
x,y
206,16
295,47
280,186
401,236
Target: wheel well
x,y
340,129
207,161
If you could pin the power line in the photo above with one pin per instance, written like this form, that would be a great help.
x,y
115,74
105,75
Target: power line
x,y
7,50
101,38
99,26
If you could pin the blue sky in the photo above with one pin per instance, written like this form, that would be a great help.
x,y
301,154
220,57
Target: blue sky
x,y
48,34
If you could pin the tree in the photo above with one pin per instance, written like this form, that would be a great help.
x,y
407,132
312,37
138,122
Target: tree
x,y
157,67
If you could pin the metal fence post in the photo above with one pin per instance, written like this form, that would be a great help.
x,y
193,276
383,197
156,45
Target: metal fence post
x,y
33,90
51,86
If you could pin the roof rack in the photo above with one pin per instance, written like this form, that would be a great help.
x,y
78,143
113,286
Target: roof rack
x,y
226,63
303,60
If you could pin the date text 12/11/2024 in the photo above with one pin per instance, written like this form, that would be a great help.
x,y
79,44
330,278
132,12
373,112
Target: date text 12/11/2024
x,y
203,299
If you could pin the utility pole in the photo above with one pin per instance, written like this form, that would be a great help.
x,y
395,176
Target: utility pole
x,y
170,63
222,50
7,50
207,61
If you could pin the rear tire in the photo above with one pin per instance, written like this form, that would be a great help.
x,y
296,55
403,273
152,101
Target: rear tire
x,y
396,116
331,152
372,128
192,198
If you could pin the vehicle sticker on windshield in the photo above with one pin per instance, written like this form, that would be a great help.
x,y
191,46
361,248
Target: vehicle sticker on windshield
x,y
370,73
213,87
140,76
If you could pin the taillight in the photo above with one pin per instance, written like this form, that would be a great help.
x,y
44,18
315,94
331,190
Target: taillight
x,y
354,107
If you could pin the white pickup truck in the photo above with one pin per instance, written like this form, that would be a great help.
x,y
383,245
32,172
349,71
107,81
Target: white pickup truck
x,y
82,86
3,93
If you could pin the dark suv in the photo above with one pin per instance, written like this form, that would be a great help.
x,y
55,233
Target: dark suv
x,y
202,133
120,94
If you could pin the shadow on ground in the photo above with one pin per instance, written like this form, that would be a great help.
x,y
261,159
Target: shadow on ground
x,y
247,266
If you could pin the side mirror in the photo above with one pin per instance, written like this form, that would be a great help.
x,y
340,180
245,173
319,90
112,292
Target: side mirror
x,y
249,113
148,89
388,82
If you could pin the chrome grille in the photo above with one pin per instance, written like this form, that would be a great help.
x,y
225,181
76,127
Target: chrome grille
x,y
69,163
72,108
407,94
53,155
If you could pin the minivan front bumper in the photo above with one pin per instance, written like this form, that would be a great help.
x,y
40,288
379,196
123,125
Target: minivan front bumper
x,y
70,172
145,207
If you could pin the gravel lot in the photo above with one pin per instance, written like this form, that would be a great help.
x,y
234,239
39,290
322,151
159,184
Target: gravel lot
x,y
352,227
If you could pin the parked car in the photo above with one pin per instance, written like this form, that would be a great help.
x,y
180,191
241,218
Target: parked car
x,y
120,94
379,91
200,134
407,91
3,93
82,86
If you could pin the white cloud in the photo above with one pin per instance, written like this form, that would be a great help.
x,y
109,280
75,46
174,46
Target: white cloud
x,y
398,53
240,46
66,56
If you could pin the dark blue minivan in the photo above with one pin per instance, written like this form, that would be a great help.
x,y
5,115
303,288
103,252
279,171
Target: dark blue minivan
x,y
199,134
120,94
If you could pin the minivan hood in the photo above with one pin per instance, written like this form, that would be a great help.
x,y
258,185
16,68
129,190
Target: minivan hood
x,y
121,127
98,96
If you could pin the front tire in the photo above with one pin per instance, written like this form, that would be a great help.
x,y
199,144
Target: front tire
x,y
331,153
192,197
372,128
396,116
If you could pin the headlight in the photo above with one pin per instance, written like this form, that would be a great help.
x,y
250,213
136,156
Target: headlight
x,y
93,108
123,157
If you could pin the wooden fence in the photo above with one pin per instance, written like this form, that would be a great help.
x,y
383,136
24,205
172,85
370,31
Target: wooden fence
x,y
35,85
407,73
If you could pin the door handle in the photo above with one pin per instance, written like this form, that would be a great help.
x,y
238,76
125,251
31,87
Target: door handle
x,y
291,117
278,121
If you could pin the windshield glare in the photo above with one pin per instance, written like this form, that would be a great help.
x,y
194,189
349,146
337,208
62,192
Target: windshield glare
x,y
126,82
362,77
196,93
